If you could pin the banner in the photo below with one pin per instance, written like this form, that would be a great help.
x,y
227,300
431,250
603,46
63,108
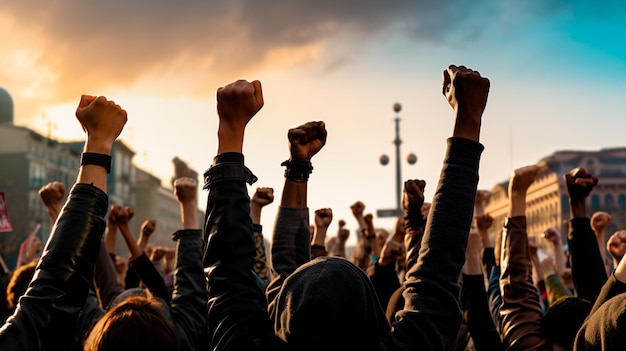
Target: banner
x,y
5,222
26,248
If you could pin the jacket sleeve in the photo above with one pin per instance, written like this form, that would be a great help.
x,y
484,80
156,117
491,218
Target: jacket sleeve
x,y
431,317
291,248
237,309
520,310
261,266
105,278
189,298
147,273
476,312
385,281
588,272
47,314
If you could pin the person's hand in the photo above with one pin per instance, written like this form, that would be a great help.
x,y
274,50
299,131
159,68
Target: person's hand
x,y
169,253
158,253
391,252
368,219
323,217
122,214
466,92
238,102
102,120
617,245
52,194
413,196
263,196
579,183
147,227
479,202
521,179
484,222
341,223
185,189
599,221
357,209
547,266
343,234
306,140
553,235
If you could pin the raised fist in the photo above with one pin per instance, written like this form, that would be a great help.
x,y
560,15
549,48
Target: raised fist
x,y
306,140
579,183
147,227
599,221
238,102
357,208
102,120
413,196
617,245
185,189
323,217
52,193
263,196
522,178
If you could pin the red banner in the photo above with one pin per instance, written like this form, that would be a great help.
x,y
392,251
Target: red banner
x,y
5,222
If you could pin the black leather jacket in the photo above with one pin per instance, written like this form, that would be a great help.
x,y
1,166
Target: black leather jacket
x,y
47,314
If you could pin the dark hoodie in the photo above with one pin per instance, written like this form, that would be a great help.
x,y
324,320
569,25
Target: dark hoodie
x,y
329,303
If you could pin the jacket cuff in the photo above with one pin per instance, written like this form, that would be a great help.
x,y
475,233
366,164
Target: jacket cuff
x,y
580,222
228,166
185,232
517,223
464,151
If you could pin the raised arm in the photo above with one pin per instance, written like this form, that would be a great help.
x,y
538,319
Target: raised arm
x,y
323,218
48,312
189,296
431,317
291,244
588,272
261,198
52,195
237,310
599,221
147,229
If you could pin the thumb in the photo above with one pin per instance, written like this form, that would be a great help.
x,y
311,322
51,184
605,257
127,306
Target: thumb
x,y
258,92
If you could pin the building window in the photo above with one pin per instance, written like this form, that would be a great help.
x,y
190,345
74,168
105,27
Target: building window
x,y
621,200
595,201
609,202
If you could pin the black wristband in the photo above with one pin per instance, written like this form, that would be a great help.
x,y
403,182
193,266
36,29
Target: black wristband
x,y
92,158
297,171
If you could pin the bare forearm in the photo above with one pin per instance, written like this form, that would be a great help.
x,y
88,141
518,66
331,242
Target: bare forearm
x,y
255,213
294,195
53,212
110,237
189,216
559,258
578,208
484,238
517,205
319,236
473,264
135,250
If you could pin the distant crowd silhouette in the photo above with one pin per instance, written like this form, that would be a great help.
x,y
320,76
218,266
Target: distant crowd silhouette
x,y
437,281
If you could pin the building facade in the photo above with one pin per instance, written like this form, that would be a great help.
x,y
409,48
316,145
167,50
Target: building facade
x,y
30,160
547,200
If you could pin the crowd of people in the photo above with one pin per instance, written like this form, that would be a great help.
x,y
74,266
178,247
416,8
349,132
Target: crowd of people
x,y
437,281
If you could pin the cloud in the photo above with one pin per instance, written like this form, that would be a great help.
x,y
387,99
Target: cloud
x,y
76,46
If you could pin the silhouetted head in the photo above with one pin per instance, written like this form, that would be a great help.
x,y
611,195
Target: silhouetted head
x,y
564,318
329,304
20,279
136,323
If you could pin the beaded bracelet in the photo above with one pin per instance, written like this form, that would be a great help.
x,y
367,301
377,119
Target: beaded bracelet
x,y
297,171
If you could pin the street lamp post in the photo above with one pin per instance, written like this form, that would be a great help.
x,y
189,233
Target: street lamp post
x,y
384,159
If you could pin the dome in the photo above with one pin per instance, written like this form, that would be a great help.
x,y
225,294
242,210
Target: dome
x,y
6,107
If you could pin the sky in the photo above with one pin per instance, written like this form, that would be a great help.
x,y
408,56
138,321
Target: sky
x,y
557,70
